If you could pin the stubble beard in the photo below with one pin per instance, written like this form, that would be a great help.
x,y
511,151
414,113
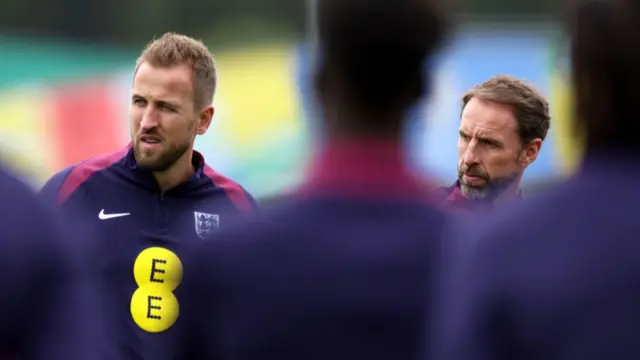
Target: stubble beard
x,y
160,162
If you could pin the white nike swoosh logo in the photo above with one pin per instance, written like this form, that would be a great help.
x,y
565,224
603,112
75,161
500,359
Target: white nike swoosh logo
x,y
103,216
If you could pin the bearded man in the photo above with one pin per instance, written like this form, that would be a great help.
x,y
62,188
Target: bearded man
x,y
503,124
145,204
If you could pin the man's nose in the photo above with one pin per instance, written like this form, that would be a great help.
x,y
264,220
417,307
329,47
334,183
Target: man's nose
x,y
471,155
149,118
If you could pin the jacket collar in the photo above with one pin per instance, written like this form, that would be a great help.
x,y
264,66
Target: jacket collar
x,y
457,200
145,177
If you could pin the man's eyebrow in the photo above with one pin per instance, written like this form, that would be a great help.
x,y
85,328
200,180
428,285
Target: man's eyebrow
x,y
170,103
489,140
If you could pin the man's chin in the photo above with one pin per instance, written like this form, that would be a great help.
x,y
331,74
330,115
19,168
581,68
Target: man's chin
x,y
474,192
151,163
158,160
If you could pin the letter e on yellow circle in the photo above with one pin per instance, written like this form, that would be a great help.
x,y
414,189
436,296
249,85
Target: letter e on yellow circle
x,y
154,310
156,267
157,272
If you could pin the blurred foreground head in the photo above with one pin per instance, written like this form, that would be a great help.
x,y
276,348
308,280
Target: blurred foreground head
x,y
372,53
606,71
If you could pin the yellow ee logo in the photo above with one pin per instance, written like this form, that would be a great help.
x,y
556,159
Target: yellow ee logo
x,y
158,273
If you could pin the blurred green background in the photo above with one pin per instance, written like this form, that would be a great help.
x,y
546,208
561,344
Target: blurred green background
x,y
66,74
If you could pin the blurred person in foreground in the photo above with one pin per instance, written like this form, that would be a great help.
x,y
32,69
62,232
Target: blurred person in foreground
x,y
46,302
559,278
503,124
341,271
146,202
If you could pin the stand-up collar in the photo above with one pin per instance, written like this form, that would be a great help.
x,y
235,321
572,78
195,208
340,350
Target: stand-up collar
x,y
145,177
371,168
457,200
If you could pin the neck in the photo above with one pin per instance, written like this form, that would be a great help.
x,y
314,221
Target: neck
x,y
509,194
345,122
178,173
344,138
365,165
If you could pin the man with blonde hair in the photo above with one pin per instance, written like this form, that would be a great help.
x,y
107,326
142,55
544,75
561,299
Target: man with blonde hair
x,y
150,200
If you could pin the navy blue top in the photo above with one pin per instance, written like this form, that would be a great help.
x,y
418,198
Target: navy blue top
x,y
451,198
142,234
46,298
339,273
556,278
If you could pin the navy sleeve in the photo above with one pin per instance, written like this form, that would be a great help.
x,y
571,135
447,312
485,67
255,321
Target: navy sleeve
x,y
49,192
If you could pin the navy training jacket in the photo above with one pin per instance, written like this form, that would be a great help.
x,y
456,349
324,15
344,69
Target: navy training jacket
x,y
141,235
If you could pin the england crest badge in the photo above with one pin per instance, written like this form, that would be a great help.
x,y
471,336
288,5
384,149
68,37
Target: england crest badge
x,y
206,223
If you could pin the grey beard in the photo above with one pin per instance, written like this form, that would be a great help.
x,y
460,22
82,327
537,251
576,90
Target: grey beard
x,y
490,192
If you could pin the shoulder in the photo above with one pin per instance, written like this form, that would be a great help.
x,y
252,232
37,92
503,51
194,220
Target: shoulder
x,y
20,209
238,249
277,222
299,225
242,235
14,192
523,233
441,194
27,227
443,191
239,196
50,189
11,181
21,214
64,183
498,252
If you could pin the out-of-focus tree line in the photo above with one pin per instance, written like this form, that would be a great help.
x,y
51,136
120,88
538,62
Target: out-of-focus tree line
x,y
135,21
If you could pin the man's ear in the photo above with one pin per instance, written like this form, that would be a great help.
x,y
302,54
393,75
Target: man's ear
x,y
205,119
531,151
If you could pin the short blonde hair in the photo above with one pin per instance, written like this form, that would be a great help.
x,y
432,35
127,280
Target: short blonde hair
x,y
174,49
